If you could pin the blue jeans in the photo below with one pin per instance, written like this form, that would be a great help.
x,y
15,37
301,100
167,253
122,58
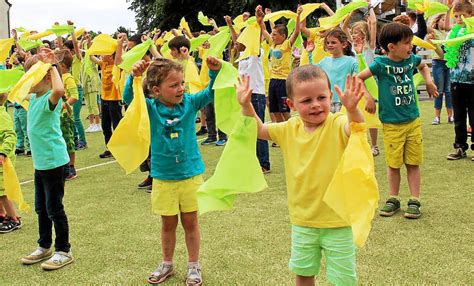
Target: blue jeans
x,y
20,121
49,193
442,82
259,104
79,132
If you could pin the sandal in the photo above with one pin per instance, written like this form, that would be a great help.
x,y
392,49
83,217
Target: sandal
x,y
194,277
163,272
10,225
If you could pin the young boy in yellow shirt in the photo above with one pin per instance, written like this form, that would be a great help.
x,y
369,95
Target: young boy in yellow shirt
x,y
280,61
312,145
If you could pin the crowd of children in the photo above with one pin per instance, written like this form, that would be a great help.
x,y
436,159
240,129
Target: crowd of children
x,y
312,140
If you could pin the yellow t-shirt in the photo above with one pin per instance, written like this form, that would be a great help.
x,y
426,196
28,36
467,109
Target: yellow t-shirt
x,y
76,70
109,90
70,87
310,162
318,53
280,59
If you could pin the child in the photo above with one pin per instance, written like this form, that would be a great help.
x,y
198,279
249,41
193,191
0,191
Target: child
x,y
440,72
339,64
280,60
110,97
399,113
50,159
176,164
11,221
253,66
312,145
462,81
70,98
91,80
20,123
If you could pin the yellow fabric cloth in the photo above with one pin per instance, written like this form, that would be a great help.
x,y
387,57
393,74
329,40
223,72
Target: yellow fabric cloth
x,y
12,185
116,76
238,170
469,23
33,76
191,77
278,14
78,33
328,23
308,9
250,38
5,46
310,162
70,87
266,65
102,44
422,43
353,192
130,142
41,35
280,59
184,25
109,90
76,69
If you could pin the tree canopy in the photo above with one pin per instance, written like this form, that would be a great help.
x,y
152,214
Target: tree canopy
x,y
166,14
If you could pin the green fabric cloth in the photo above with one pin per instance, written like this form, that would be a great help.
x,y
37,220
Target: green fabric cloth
x,y
196,42
203,19
134,55
9,79
29,45
60,30
218,43
226,106
370,83
238,170
435,8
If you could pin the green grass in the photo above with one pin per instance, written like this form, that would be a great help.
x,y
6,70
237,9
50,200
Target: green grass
x,y
116,239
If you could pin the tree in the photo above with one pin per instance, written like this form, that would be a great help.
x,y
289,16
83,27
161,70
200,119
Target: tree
x,y
166,14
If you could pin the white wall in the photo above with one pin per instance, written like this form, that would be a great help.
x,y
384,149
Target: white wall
x,y
4,19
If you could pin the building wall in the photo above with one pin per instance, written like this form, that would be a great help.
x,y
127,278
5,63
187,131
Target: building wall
x,y
4,33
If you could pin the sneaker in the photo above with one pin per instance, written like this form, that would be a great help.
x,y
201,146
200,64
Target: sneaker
x,y
435,121
10,225
90,129
147,183
458,153
392,205
98,128
28,153
19,152
202,131
38,255
2,218
375,150
163,272
209,141
413,210
221,142
106,154
194,276
451,120
58,260
265,170
197,120
80,146
72,174
275,145
469,131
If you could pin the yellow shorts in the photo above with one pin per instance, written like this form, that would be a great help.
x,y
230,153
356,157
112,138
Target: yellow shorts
x,y
170,198
403,144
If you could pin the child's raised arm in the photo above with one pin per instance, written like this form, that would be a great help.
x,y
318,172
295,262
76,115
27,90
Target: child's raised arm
x,y
326,8
372,21
74,42
244,94
370,106
57,88
296,32
259,15
430,86
119,51
350,98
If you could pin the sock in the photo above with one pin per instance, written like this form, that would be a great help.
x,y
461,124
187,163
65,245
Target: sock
x,y
415,198
396,197
193,264
167,262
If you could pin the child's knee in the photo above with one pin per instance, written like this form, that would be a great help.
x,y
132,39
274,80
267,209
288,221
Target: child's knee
x,y
169,223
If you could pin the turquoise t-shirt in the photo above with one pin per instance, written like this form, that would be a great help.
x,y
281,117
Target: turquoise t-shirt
x,y
46,139
174,151
397,102
337,69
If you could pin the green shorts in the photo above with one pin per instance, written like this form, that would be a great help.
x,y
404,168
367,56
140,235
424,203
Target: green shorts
x,y
67,127
307,245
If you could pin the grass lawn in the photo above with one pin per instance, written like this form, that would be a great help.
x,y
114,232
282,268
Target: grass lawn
x,y
116,239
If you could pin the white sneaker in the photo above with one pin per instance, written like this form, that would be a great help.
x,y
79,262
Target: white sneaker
x,y
58,260
90,128
98,128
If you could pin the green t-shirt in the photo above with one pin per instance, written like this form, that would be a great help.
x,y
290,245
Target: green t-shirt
x,y
46,139
397,102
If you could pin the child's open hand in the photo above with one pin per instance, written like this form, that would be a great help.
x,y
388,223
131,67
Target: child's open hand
x,y
139,68
47,56
310,46
2,159
70,23
299,10
243,90
432,89
184,51
352,95
213,63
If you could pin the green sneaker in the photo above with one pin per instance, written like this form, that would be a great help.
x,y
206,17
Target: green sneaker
x,y
413,210
392,205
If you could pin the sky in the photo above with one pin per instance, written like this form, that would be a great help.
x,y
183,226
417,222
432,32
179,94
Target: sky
x,y
97,15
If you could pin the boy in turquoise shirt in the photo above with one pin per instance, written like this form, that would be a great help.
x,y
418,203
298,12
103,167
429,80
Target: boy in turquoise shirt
x,y
50,159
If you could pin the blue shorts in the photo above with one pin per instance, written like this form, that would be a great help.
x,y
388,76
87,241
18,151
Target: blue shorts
x,y
277,96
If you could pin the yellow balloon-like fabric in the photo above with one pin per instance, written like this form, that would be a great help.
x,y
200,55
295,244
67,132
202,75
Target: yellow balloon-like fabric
x,y
353,192
12,185
422,43
130,142
250,38
278,14
103,44
5,47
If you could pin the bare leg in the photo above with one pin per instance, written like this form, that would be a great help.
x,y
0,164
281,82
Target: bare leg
x,y
97,119
414,180
304,280
191,234
373,136
393,176
202,116
168,236
2,209
9,208
437,112
450,112
91,119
